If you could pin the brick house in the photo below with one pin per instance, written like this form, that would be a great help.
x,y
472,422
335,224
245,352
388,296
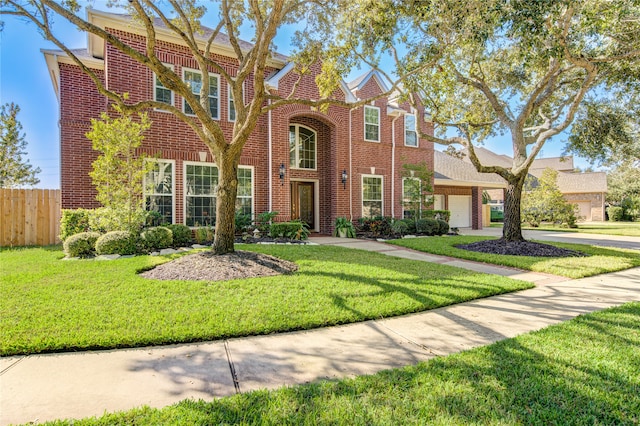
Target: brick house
x,y
299,161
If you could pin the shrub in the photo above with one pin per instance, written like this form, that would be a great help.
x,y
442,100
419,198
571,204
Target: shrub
x,y
400,227
74,222
437,214
411,225
263,221
242,222
107,219
204,234
81,245
379,226
428,226
296,230
181,234
631,208
117,242
444,227
615,213
157,238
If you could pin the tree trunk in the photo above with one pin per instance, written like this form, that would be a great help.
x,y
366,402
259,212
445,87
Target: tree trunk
x,y
226,203
512,229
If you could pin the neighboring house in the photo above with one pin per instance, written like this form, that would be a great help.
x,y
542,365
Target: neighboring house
x,y
299,161
458,187
586,190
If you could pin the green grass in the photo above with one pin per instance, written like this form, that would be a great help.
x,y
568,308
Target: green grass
x,y
50,305
582,372
625,229
600,260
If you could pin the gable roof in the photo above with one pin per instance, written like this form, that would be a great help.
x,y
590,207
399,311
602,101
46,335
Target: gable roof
x,y
576,183
452,171
362,80
556,163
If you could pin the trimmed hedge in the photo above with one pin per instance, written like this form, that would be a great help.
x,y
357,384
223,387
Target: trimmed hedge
x,y
81,244
117,242
616,213
181,234
74,222
157,238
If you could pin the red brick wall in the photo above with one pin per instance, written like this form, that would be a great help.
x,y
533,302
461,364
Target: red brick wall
x,y
170,138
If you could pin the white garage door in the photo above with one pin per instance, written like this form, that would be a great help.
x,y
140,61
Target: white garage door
x,y
585,210
460,208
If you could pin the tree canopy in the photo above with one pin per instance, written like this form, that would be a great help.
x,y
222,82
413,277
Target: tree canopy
x,y
522,68
14,170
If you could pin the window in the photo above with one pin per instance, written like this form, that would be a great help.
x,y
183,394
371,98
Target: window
x,y
201,186
438,202
232,105
371,196
194,80
244,200
410,134
160,92
302,147
411,197
201,183
158,189
371,123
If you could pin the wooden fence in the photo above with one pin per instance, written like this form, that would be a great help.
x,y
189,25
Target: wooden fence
x,y
29,217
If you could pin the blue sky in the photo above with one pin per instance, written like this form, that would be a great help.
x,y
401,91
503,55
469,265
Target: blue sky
x,y
24,80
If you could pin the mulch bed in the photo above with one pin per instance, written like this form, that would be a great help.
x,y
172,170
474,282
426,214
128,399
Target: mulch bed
x,y
206,266
519,248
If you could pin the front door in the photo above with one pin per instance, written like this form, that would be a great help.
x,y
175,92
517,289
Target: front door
x,y
302,202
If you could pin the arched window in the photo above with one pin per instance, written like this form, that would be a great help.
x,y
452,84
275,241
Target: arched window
x,y
302,147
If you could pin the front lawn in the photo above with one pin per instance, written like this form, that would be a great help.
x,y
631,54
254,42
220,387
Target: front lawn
x,y
582,372
600,260
49,304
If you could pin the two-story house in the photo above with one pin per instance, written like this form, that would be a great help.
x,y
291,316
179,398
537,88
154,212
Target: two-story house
x,y
300,162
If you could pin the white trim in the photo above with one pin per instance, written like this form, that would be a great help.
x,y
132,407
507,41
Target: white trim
x,y
154,87
316,200
126,23
362,200
441,204
415,130
393,166
403,194
208,164
216,76
270,158
173,185
365,123
315,147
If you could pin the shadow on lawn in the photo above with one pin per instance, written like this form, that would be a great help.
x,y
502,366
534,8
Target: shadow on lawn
x,y
555,376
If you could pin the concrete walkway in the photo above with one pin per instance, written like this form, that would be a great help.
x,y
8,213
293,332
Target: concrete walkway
x,y
75,385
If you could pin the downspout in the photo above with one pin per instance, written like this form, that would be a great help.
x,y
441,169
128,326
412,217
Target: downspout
x,y
350,169
393,165
269,155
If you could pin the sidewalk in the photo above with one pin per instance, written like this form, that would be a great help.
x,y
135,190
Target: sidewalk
x,y
75,385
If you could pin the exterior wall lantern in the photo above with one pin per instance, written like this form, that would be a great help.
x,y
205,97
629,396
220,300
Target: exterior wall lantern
x,y
282,170
344,179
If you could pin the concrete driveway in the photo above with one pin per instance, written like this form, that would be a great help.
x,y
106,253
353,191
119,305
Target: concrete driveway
x,y
565,237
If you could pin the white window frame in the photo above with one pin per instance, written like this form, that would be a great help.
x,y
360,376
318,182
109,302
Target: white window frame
x,y
414,130
156,87
362,177
404,199
377,109
230,100
200,163
315,148
438,199
173,186
217,98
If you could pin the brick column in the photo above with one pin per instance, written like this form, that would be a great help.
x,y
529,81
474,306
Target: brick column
x,y
476,207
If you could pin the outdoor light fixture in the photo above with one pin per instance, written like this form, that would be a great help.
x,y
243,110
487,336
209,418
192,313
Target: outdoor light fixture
x,y
282,170
344,179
